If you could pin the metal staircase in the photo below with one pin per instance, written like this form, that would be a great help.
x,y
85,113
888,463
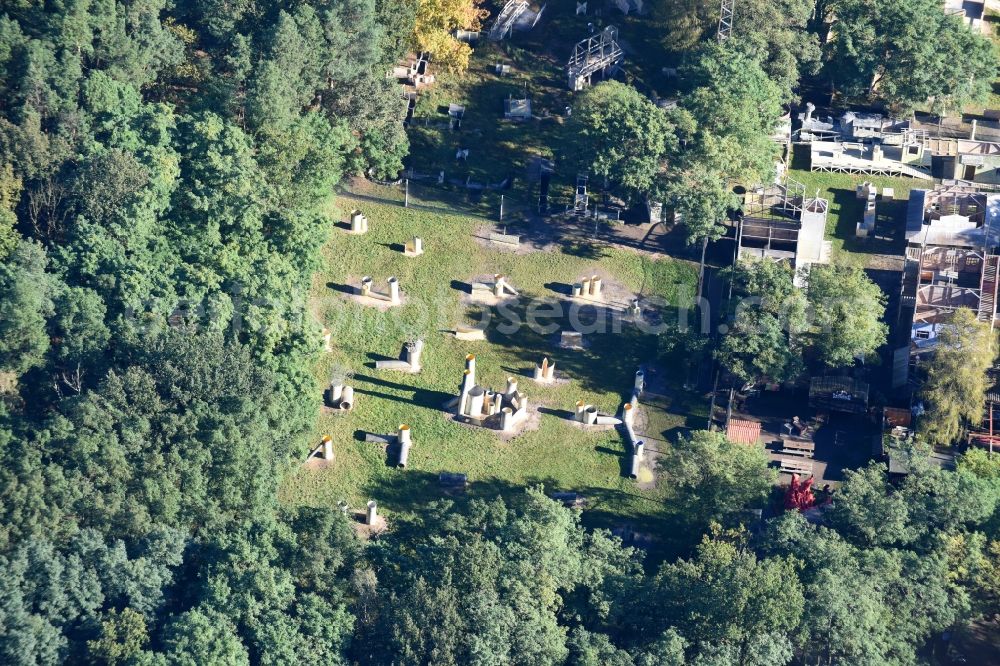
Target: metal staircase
x,y
988,289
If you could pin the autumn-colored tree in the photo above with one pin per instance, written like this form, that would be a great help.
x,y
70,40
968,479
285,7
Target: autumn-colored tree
x,y
437,20
800,495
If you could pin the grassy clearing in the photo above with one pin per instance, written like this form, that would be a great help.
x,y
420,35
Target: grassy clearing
x,y
557,453
846,209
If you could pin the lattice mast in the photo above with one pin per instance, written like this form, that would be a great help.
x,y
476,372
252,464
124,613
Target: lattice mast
x,y
726,20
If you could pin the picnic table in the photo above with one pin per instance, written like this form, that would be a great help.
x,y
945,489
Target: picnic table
x,y
796,466
798,447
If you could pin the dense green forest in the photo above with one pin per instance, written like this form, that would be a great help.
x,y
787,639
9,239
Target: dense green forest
x,y
163,171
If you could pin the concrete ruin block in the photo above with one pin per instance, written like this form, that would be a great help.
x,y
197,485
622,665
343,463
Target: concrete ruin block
x,y
595,287
414,247
359,223
571,340
603,419
404,441
371,513
394,291
366,286
469,333
347,399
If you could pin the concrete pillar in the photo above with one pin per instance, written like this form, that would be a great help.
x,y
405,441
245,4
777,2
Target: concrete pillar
x,y
489,400
327,448
634,309
585,287
335,392
372,513
476,396
581,407
359,223
595,286
511,386
498,285
403,439
628,414
640,448
347,399
497,403
972,134
550,372
470,365
412,352
366,286
418,245
394,291
506,419
640,382
538,376
590,415
577,289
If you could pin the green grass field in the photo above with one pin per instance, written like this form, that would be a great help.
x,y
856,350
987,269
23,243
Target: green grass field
x,y
557,453
846,209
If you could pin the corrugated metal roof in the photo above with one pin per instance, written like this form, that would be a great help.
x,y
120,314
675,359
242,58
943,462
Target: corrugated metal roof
x,y
743,432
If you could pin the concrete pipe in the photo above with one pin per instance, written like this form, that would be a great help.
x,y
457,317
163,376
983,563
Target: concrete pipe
x,y
590,416
366,286
640,382
581,407
585,287
327,448
393,290
628,414
335,392
403,439
595,286
463,397
497,402
498,285
550,372
347,399
640,448
489,403
511,386
476,397
634,468
538,375
470,365
577,289
412,353
506,419
372,513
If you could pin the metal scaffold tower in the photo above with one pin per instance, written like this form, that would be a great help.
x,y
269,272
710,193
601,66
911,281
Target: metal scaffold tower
x,y
594,54
726,20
